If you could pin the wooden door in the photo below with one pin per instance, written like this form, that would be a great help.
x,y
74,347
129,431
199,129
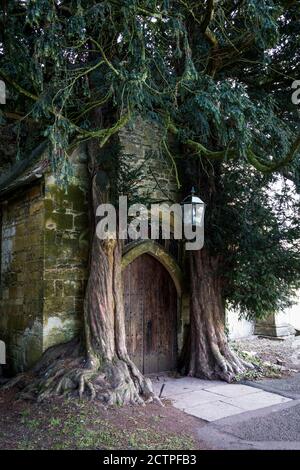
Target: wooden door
x,y
150,315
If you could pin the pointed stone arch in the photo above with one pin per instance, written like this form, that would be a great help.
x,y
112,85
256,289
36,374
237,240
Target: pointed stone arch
x,y
150,247
154,249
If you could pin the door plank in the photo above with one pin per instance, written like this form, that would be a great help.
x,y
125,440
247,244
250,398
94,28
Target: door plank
x,y
150,299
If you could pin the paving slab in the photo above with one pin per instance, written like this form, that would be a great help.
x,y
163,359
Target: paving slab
x,y
182,385
256,401
232,390
193,398
214,400
213,411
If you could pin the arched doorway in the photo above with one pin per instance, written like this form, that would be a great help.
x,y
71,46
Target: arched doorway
x,y
150,299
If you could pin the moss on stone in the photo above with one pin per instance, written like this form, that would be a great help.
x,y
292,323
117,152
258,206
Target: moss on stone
x,y
81,221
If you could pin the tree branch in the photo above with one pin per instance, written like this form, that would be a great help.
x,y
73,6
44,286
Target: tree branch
x,y
208,15
270,168
103,134
252,158
173,163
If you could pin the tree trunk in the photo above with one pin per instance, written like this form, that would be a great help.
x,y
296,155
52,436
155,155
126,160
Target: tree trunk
x,y
209,354
103,370
206,351
104,319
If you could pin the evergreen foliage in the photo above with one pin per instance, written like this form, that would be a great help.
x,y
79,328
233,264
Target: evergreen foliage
x,y
216,75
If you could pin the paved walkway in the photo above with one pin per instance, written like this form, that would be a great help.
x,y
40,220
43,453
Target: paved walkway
x,y
214,400
287,387
271,428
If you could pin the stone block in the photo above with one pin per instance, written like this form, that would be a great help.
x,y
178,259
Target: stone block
x,y
81,221
34,192
72,288
272,326
77,198
48,203
58,305
36,207
214,410
65,221
233,390
49,288
256,401
5,294
50,224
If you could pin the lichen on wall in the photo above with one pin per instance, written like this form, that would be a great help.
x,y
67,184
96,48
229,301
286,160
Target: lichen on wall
x,y
66,241
45,243
44,252
57,330
21,301
141,142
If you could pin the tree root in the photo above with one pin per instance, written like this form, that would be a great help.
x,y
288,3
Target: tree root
x,y
59,374
223,364
228,363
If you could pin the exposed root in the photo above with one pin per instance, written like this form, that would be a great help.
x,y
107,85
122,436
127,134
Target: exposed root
x,y
14,382
224,364
229,364
116,382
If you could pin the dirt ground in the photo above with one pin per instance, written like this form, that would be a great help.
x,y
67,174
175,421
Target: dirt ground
x,y
74,424
276,357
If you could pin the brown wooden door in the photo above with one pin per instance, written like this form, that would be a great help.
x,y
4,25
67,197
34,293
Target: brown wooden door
x,y
150,315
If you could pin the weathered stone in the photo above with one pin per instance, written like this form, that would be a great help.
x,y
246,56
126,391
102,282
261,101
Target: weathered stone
x,y
45,242
62,221
273,327
81,221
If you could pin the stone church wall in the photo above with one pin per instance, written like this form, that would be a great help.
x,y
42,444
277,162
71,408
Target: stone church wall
x,y
21,292
66,254
44,248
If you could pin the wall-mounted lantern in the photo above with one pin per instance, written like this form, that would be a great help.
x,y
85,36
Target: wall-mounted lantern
x,y
193,210
193,218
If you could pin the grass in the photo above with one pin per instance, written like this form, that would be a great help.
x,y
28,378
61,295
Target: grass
x,y
72,424
78,432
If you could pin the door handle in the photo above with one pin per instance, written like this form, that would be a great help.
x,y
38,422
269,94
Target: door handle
x,y
149,326
149,333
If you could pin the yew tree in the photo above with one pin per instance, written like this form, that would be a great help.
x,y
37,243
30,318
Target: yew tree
x,y
217,77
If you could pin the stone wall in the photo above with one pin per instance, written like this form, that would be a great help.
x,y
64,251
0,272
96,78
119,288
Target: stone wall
x,y
238,327
282,323
66,254
44,253
143,141
21,292
67,234
45,242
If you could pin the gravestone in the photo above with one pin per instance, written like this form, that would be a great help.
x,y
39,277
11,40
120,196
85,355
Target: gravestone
x,y
2,356
2,353
273,326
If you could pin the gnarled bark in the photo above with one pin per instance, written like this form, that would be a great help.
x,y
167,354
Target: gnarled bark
x,y
102,369
104,320
209,354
